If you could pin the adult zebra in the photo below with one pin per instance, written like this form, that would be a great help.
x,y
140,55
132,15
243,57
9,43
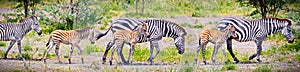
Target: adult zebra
x,y
15,32
256,30
157,29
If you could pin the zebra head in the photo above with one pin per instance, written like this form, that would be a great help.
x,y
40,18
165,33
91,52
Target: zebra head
x,y
92,35
287,30
33,21
142,30
230,31
179,43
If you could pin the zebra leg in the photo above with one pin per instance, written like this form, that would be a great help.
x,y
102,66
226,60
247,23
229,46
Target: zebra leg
x,y
224,53
108,47
120,54
151,52
155,43
203,53
48,50
197,54
20,49
229,48
216,48
259,49
80,50
9,47
112,55
131,53
57,52
70,54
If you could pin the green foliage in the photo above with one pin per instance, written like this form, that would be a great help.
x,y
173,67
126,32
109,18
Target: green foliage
x,y
264,68
298,57
267,7
197,26
3,44
66,56
27,46
187,68
92,48
140,53
229,67
169,54
2,53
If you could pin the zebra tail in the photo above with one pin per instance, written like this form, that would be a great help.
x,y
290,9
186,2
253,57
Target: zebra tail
x,y
47,44
101,35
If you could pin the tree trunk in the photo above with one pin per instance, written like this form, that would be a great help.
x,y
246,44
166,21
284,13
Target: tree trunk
x,y
25,7
143,6
263,8
136,6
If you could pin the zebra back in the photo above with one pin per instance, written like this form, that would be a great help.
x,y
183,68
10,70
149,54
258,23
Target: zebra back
x,y
249,30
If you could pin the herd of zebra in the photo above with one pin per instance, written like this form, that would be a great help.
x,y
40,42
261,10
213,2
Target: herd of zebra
x,y
132,31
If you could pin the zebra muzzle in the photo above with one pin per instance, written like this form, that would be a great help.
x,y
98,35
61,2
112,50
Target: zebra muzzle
x,y
40,33
291,40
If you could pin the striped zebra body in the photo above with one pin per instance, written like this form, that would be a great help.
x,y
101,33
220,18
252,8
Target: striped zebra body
x,y
157,29
71,37
215,37
257,30
129,37
15,32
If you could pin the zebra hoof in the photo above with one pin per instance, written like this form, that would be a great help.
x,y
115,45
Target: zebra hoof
x,y
104,60
259,61
110,62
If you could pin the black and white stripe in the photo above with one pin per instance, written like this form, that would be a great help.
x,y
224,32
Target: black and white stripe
x,y
157,29
256,30
15,32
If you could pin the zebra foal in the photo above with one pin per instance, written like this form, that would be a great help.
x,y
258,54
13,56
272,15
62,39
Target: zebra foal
x,y
128,37
15,32
256,30
215,37
71,37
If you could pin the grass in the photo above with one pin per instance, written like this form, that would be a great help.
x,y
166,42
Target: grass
x,y
2,44
264,68
187,68
298,57
2,53
92,48
229,67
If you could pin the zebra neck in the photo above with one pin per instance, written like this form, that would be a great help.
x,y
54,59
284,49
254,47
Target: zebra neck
x,y
25,28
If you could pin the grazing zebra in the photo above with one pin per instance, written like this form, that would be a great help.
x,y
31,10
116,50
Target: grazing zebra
x,y
157,29
256,30
216,37
71,37
127,36
15,32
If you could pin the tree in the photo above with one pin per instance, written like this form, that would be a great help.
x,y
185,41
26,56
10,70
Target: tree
x,y
267,7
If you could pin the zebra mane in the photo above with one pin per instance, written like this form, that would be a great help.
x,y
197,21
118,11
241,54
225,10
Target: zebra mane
x,y
27,18
83,30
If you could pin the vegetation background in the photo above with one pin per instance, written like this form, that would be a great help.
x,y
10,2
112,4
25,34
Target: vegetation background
x,y
75,14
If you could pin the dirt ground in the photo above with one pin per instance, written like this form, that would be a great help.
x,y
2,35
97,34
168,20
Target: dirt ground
x,y
93,61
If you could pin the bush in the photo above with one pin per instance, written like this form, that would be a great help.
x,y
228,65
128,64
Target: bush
x,y
298,57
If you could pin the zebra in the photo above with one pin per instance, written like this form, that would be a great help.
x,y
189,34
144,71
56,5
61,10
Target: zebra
x,y
216,37
15,32
157,29
256,30
71,37
128,37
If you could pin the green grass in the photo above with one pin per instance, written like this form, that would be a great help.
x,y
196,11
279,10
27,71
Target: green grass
x,y
92,48
187,68
264,68
298,57
2,44
27,46
229,67
2,53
